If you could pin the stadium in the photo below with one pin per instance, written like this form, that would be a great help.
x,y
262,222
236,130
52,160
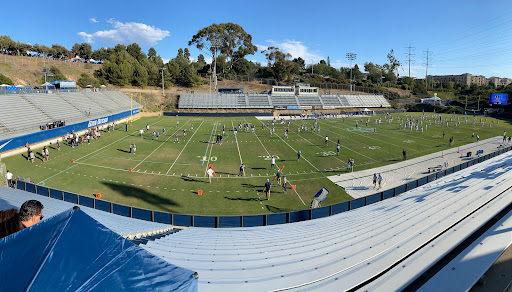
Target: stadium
x,y
440,211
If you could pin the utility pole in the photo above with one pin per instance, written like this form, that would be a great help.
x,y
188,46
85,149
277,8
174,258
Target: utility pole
x,y
351,57
409,54
163,92
427,58
215,47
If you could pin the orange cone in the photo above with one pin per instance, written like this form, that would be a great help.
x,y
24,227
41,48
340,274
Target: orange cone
x,y
72,160
200,192
294,187
98,196
130,169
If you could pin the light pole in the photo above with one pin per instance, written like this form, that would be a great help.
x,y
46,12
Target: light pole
x,y
163,92
351,57
311,66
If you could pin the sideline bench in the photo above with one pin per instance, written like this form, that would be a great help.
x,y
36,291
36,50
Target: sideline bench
x,y
435,168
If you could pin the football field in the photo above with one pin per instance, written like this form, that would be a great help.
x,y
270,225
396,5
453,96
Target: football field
x,y
167,175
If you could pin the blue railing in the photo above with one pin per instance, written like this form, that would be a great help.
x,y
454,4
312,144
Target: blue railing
x,y
188,220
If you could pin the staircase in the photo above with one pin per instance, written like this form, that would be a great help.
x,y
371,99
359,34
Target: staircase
x,y
146,239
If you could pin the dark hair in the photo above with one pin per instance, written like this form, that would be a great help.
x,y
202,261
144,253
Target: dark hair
x,y
7,214
11,226
30,208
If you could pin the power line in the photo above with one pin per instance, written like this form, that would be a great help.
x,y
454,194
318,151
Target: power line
x,y
409,54
428,58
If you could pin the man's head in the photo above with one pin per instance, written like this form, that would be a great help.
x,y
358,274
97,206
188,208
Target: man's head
x,y
31,212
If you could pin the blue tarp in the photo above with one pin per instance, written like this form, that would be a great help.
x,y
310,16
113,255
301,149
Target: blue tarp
x,y
73,252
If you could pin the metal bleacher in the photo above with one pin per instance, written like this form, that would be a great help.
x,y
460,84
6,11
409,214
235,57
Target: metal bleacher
x,y
213,101
25,113
17,114
126,227
383,246
283,100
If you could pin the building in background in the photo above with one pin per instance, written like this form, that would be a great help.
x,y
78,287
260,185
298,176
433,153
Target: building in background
x,y
497,81
465,78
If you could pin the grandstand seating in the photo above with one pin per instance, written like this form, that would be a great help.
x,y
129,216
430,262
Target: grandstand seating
x,y
126,227
309,100
213,101
17,114
258,101
342,251
283,100
25,113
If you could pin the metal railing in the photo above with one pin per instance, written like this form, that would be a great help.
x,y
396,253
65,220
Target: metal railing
x,y
189,220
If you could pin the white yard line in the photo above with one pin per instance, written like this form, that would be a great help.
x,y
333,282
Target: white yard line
x,y
209,155
184,147
269,155
115,142
240,155
161,144
209,140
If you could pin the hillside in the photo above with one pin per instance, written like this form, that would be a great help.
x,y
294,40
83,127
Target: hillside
x,y
28,70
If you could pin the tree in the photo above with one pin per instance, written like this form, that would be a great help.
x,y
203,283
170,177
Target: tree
x,y
134,50
186,54
85,80
278,62
101,54
301,63
151,53
229,39
200,59
83,50
374,72
5,43
22,48
60,51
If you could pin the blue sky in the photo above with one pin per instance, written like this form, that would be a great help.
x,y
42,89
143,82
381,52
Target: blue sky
x,y
471,36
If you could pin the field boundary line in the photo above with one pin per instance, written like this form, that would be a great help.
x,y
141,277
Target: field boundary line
x,y
184,147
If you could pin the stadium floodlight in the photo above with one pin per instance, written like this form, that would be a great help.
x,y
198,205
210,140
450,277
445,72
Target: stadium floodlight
x,y
351,57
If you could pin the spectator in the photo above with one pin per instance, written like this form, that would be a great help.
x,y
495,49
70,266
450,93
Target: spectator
x,y
8,176
31,212
7,214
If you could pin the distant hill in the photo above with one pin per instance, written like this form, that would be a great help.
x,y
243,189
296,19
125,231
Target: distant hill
x,y
28,70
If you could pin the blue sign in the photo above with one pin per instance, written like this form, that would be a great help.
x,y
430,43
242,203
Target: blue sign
x,y
12,88
498,98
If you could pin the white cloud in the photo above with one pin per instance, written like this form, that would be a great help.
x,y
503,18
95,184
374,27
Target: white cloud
x,y
261,48
297,49
166,60
127,33
93,20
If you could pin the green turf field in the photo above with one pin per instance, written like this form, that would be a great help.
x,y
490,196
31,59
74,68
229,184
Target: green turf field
x,y
167,176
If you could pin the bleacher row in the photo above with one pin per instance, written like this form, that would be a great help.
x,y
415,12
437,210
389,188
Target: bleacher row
x,y
25,113
262,101
400,237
